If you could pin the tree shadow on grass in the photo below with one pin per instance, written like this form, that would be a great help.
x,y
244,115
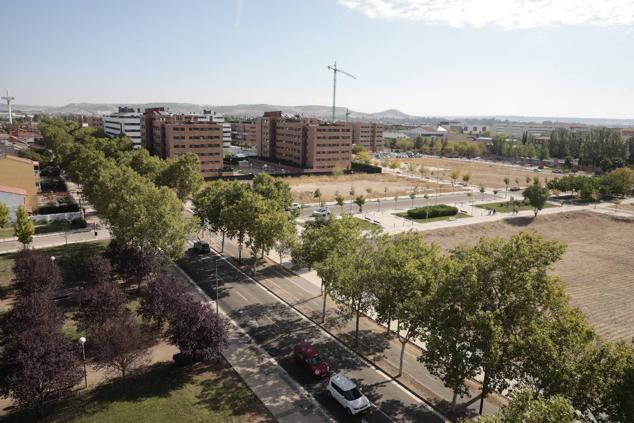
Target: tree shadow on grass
x,y
158,380
521,221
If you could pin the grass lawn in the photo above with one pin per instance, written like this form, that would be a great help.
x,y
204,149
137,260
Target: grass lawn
x,y
506,207
164,392
365,225
432,219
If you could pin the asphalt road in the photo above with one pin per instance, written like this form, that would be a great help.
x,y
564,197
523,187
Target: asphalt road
x,y
277,328
406,203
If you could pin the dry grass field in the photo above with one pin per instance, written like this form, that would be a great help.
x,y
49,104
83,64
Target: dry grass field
x,y
491,175
303,187
597,269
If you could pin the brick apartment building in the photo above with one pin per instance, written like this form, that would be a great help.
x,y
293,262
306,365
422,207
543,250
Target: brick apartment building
x,y
369,135
306,144
167,136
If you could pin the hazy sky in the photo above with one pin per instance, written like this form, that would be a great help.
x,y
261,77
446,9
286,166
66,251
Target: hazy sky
x,y
425,57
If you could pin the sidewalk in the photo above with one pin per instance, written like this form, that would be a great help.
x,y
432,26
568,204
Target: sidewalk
x,y
11,245
304,295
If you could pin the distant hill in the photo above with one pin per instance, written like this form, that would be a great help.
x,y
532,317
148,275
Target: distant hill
x,y
391,116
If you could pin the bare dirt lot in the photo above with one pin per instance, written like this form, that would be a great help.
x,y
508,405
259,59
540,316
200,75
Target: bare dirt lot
x,y
491,175
596,269
303,187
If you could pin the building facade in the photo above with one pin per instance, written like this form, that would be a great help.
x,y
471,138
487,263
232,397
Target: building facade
x,y
517,130
369,135
126,122
244,134
20,176
170,136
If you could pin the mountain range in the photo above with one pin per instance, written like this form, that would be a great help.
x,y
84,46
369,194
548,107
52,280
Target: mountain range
x,y
390,116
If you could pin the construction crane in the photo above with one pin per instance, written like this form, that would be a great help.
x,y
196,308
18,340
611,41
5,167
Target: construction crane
x,y
334,70
9,100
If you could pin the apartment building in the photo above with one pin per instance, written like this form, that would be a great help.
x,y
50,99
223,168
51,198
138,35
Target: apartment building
x,y
265,134
369,135
244,134
126,122
169,136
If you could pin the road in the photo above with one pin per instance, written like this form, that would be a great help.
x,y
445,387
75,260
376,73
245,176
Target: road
x,y
406,203
277,328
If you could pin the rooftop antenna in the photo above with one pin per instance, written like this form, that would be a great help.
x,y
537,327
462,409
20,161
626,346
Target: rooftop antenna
x,y
347,114
9,100
334,70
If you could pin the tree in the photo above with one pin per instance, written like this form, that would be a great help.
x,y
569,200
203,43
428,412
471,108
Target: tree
x,y
120,344
275,189
317,194
4,216
161,300
455,174
35,273
134,264
23,227
529,407
95,269
404,271
537,197
340,200
364,157
183,175
509,291
197,331
482,191
38,365
266,226
350,276
286,240
34,310
337,171
507,181
466,178
360,201
99,304
412,196
239,217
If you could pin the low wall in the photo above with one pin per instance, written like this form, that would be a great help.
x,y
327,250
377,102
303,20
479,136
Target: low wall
x,y
55,217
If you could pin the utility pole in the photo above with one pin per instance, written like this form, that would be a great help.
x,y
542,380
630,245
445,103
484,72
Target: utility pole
x,y
9,99
334,70
347,115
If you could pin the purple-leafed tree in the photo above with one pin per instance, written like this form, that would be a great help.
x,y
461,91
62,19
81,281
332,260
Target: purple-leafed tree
x,y
38,363
35,272
120,344
197,331
100,303
95,269
136,265
34,310
162,299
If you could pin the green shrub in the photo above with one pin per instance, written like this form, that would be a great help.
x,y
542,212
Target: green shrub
x,y
432,211
78,223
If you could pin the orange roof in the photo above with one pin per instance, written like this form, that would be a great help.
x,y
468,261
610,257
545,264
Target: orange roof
x,y
13,190
19,159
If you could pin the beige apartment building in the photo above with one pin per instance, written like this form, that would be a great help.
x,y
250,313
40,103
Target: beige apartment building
x,y
169,136
369,135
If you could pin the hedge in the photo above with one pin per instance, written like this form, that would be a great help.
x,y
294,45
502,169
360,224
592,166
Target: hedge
x,y
432,211
63,208
366,168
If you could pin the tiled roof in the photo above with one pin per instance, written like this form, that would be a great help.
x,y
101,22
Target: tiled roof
x,y
13,190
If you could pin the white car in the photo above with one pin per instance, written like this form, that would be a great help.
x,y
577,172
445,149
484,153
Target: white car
x,y
295,206
347,394
321,213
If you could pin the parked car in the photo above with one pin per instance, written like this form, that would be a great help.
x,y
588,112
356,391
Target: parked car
x,y
347,394
515,189
557,171
307,356
321,212
295,206
202,247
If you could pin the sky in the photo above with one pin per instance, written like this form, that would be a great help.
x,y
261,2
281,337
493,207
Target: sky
x,y
560,58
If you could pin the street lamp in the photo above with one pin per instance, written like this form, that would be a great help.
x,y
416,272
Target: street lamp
x,y
217,281
53,260
82,341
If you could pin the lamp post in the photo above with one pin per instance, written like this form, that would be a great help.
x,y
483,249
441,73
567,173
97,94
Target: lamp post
x,y
53,260
217,280
82,341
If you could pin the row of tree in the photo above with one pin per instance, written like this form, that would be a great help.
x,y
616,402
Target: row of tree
x,y
121,184
256,215
436,146
40,363
598,147
618,182
491,309
526,147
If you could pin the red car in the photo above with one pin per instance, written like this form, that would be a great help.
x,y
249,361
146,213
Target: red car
x,y
308,357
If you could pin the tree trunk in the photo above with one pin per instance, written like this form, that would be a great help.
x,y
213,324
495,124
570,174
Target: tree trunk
x,y
222,249
453,401
400,363
323,307
389,324
356,330
255,262
485,388
240,252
